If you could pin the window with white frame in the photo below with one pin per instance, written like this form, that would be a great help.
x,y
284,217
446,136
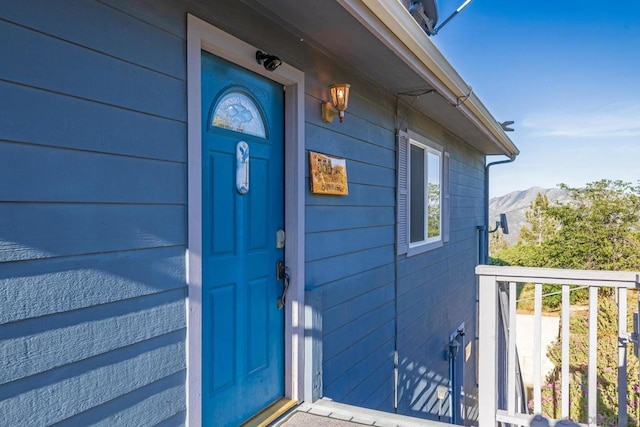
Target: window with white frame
x,y
423,194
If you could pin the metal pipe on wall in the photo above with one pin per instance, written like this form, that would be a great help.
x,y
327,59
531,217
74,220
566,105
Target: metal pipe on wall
x,y
484,233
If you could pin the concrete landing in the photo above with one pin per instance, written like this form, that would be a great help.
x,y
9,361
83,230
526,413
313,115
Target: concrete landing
x,y
326,413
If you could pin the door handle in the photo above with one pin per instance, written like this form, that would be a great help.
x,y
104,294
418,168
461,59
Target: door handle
x,y
281,274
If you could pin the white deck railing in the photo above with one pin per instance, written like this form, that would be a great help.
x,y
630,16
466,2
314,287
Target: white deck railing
x,y
491,391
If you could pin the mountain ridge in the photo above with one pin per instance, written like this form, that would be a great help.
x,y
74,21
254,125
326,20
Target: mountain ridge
x,y
516,203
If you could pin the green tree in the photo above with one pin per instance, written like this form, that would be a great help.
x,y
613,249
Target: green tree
x,y
599,229
529,250
433,218
540,225
607,372
497,242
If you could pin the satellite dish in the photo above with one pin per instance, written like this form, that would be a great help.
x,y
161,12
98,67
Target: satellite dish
x,y
501,224
504,224
425,12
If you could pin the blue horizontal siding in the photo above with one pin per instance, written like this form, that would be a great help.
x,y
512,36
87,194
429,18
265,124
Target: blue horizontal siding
x,y
41,117
381,398
350,248
367,174
467,243
328,218
139,35
30,231
60,393
337,367
370,102
93,331
178,420
471,193
466,202
346,288
159,403
335,243
41,61
354,387
344,145
436,291
359,195
93,219
419,278
72,175
366,121
348,312
379,387
467,181
421,374
467,166
85,281
340,339
409,265
418,327
98,96
335,268
169,16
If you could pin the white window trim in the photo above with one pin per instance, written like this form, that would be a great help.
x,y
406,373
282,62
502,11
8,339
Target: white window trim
x,y
404,245
428,241
204,36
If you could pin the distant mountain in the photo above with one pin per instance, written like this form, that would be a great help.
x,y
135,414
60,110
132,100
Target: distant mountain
x,y
516,203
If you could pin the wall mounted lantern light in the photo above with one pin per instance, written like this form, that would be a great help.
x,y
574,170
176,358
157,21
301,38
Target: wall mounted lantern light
x,y
454,348
340,99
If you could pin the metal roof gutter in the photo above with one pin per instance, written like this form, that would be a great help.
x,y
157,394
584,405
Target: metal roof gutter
x,y
392,24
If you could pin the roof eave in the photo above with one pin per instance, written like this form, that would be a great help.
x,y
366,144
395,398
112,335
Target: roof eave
x,y
391,23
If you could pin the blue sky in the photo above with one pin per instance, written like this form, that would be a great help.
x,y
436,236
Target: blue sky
x,y
568,74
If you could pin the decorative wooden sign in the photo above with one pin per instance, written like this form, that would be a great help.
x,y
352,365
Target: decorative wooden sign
x,y
328,174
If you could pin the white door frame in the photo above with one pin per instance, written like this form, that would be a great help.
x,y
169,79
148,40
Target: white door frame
x,y
204,36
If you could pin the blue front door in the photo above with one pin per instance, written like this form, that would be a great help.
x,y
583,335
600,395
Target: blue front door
x,y
242,202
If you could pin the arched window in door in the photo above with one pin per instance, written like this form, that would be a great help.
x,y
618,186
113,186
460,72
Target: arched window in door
x,y
238,112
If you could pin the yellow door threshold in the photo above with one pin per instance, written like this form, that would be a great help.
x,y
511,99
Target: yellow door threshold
x,y
270,413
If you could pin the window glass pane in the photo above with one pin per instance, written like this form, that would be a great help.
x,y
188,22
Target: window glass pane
x,y
237,112
417,202
433,191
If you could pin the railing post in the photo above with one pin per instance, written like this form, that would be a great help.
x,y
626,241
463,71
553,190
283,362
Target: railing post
x,y
537,350
492,385
511,354
566,337
487,351
623,337
592,398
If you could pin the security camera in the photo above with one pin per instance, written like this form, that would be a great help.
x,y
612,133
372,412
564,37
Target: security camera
x,y
270,62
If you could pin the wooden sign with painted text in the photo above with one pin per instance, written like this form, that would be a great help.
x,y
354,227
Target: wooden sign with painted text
x,y
328,174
